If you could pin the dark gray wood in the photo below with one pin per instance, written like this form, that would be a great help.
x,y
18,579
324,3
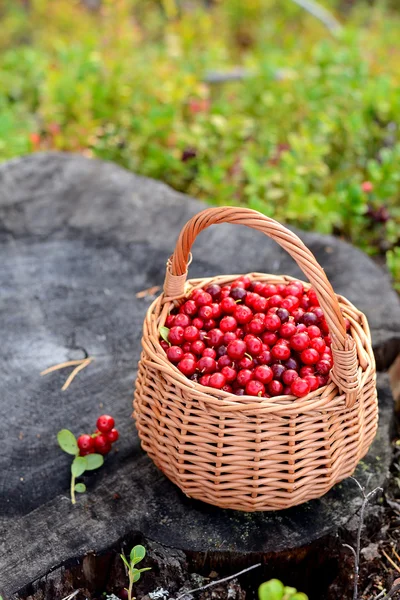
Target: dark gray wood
x,y
79,238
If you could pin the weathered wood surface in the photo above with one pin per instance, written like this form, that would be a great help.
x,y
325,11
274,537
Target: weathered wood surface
x,y
79,239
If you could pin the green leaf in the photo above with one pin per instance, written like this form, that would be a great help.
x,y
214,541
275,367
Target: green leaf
x,y
164,331
137,554
271,590
67,441
125,561
135,575
299,596
94,461
78,466
80,488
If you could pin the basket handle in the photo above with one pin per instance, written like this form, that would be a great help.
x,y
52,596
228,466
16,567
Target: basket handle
x,y
345,372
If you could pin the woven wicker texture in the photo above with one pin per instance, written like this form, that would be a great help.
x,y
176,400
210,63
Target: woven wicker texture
x,y
255,454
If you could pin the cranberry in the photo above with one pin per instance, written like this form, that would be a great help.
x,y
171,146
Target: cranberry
x,y
236,349
203,335
182,320
239,392
197,347
209,352
174,354
305,371
287,329
250,299
225,291
85,442
243,314
90,451
305,303
189,308
203,299
217,380
275,388
310,318
228,305
269,338
204,379
228,324
246,363
294,289
209,324
272,322
253,345
265,357
263,373
318,344
291,303
198,323
227,388
221,350
101,444
191,334
309,356
280,352
243,377
105,423
299,342
297,314
229,336
189,355
256,326
292,363
289,376
313,331
259,304
312,382
238,293
301,328
112,435
169,321
322,380
257,287
229,373
205,312
206,365
187,366
245,279
164,345
323,367
318,312
286,390
300,387
280,288
224,361
283,314
215,337
176,335
275,300
278,370
313,297
270,290
216,311
187,347
255,388
327,357
214,290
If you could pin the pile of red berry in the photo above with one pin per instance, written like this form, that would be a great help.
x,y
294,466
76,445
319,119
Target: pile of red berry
x,y
251,338
101,440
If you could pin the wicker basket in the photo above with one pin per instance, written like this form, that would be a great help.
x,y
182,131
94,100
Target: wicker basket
x,y
244,453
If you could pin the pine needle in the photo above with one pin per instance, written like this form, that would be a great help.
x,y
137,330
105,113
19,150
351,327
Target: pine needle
x,y
78,364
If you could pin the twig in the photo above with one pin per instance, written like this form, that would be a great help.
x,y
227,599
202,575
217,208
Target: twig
x,y
204,587
356,552
151,291
81,364
391,561
395,588
71,595
320,13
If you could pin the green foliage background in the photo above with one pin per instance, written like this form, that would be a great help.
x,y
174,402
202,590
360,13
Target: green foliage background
x,y
316,116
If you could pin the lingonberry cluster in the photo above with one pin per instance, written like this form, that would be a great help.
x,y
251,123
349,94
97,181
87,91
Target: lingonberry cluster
x,y
101,440
251,338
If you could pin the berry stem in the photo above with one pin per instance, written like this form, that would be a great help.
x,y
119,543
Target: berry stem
x,y
73,489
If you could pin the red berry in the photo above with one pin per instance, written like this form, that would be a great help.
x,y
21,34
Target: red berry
x,y
101,444
275,300
317,310
280,351
260,304
228,305
313,331
283,314
209,324
299,342
272,322
186,347
236,349
256,327
169,321
189,308
238,293
287,329
269,338
203,299
297,314
85,442
289,376
206,365
209,352
253,345
105,423
191,334
216,311
304,371
323,367
300,387
292,363
243,377
215,337
239,392
265,357
318,344
312,382
224,361
205,312
263,373
310,318
294,289
228,324
255,388
176,335
313,297
112,435
175,354
86,452
309,356
187,366
197,347
214,290
278,371
229,373
164,345
204,379
246,363
199,323
182,320
322,380
217,380
275,388
326,356
243,314
190,356
270,290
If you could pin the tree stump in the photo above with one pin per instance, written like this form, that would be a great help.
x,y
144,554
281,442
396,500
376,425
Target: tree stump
x,y
80,238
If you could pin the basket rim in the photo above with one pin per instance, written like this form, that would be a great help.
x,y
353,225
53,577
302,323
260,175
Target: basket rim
x,y
316,400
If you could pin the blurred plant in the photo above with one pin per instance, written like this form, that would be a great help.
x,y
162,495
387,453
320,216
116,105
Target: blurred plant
x,y
275,590
309,134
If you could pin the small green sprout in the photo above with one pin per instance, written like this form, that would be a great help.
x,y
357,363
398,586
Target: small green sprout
x,y
137,555
275,590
